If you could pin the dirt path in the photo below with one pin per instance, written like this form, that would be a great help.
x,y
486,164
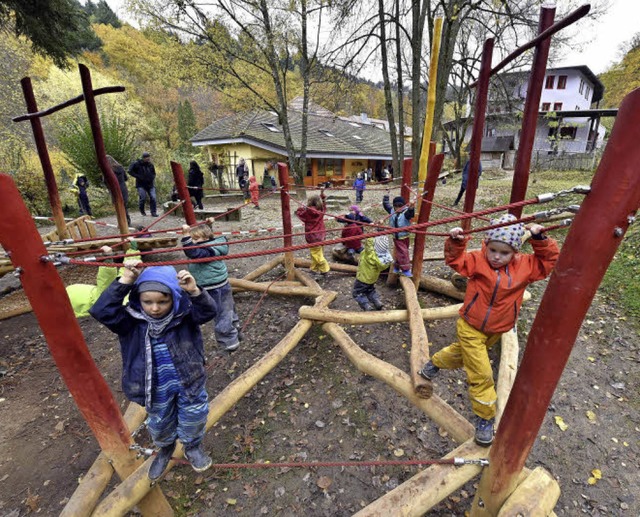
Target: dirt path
x,y
316,406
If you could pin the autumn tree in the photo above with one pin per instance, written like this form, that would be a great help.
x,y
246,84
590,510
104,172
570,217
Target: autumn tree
x,y
623,77
186,124
250,49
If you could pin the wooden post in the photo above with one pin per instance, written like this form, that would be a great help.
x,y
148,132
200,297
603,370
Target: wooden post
x,y
45,161
62,332
183,192
98,142
287,228
435,165
592,241
482,92
531,110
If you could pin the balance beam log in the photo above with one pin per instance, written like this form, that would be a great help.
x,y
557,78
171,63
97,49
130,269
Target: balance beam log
x,y
509,350
335,266
438,285
264,268
369,317
536,495
419,340
273,289
435,408
128,493
416,496
86,496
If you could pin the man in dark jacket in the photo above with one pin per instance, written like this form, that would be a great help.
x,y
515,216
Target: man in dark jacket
x,y
145,174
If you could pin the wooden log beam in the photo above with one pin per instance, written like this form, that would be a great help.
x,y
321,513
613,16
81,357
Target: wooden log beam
x,y
536,495
90,489
273,289
438,285
437,409
127,494
264,268
307,279
416,496
335,266
370,317
509,350
419,340
280,283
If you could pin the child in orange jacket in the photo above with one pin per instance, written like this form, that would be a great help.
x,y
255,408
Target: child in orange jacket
x,y
498,276
253,191
312,216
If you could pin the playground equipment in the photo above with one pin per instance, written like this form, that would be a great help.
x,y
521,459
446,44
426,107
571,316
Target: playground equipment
x,y
505,486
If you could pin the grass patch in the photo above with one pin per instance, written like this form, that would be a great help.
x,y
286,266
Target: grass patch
x,y
622,279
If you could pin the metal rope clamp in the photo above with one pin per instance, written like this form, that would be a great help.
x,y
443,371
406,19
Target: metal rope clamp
x,y
483,462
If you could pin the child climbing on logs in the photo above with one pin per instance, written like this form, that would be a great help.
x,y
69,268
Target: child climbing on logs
x,y
498,275
83,296
162,355
312,216
254,192
213,277
353,230
374,259
401,215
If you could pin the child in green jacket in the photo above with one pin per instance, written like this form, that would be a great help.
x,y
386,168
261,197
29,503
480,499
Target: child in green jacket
x,y
214,278
373,260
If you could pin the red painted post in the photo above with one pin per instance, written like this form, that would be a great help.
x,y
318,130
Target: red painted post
x,y
183,192
480,110
287,228
405,189
593,239
42,285
45,161
98,142
435,166
531,110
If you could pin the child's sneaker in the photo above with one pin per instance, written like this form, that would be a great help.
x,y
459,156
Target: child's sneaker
x,y
200,460
484,432
396,270
429,371
365,306
407,273
231,348
161,461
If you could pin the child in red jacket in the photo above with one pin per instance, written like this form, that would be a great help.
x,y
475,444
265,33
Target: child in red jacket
x,y
312,216
498,276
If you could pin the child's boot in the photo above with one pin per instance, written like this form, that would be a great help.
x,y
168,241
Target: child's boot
x,y
429,371
161,461
200,460
484,431
375,300
365,306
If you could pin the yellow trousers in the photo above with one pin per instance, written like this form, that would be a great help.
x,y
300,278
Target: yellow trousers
x,y
318,262
471,351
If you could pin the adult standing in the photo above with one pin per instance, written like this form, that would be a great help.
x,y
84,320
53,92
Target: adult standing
x,y
465,179
195,184
145,174
121,176
80,186
241,171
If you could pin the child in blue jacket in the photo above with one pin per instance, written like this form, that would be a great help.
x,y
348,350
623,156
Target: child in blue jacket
x,y
359,185
401,216
213,277
162,355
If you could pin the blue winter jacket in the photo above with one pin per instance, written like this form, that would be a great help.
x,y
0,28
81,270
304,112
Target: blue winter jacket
x,y
182,336
359,184
398,219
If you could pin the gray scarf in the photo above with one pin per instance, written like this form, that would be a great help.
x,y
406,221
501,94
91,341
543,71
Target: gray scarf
x,y
155,329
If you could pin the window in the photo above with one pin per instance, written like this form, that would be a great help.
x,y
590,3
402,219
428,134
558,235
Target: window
x,y
329,167
562,82
581,89
557,106
326,133
546,106
549,82
587,92
577,108
568,133
271,127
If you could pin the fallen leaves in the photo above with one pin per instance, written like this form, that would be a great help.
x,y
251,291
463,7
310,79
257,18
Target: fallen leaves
x,y
324,482
560,423
591,416
596,474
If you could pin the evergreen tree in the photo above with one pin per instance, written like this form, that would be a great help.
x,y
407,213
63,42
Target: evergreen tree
x,y
103,14
56,28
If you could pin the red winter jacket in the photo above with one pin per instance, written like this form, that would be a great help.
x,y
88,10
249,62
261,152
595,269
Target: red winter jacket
x,y
313,220
494,296
355,231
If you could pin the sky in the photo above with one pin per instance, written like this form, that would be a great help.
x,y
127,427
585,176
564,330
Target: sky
x,y
597,43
